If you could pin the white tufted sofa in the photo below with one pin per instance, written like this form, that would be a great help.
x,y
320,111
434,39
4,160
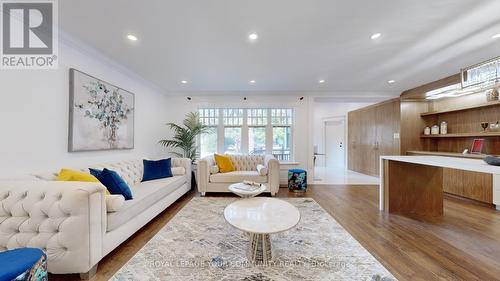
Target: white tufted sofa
x,y
69,220
209,180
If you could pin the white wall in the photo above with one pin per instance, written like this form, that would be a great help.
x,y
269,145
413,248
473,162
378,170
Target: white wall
x,y
302,128
324,110
34,114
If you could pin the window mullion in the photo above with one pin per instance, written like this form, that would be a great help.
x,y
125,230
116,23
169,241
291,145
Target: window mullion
x,y
269,133
244,132
220,132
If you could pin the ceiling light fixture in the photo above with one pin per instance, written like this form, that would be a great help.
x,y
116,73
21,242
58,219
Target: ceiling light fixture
x,y
321,81
252,81
253,36
375,36
391,81
184,82
132,37
496,36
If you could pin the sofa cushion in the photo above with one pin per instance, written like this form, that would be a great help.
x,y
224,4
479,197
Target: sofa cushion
x,y
145,195
159,169
115,184
238,176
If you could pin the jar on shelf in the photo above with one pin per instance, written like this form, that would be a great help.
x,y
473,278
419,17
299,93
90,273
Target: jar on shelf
x,y
427,131
443,128
435,130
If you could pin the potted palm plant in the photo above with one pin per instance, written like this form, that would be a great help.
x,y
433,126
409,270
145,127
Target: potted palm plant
x,y
184,139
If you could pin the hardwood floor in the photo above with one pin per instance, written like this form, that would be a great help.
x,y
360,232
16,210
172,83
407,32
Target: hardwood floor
x,y
464,244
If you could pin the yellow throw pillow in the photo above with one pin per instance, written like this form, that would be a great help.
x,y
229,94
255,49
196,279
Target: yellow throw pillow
x,y
72,175
224,163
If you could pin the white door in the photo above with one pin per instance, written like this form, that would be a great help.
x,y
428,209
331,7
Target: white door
x,y
335,143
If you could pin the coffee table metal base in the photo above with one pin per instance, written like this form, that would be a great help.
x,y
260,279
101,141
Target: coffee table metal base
x,y
259,249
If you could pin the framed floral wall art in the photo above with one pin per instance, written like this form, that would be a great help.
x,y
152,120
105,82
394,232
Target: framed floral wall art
x,y
101,115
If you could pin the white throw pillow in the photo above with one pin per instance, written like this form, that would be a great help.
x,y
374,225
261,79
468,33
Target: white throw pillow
x,y
262,170
178,171
214,169
114,202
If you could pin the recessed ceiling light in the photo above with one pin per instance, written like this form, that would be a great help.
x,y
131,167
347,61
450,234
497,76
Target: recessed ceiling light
x,y
252,81
184,82
375,36
132,37
321,81
496,36
253,36
391,81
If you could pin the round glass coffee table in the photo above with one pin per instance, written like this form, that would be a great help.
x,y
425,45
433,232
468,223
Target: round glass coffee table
x,y
260,217
239,189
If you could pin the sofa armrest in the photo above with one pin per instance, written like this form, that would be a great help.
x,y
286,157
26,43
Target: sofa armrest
x,y
66,219
203,174
186,163
273,173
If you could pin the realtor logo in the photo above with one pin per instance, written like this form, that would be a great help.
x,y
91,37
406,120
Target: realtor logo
x,y
29,34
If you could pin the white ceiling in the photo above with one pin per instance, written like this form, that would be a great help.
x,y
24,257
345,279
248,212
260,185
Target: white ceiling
x,y
300,41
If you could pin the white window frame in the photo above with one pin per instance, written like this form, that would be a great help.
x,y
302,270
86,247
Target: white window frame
x,y
245,129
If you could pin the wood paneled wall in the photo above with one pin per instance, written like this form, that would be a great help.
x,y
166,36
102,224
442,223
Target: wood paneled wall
x,y
371,134
468,121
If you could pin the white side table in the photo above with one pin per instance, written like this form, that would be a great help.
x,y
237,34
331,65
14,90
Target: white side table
x,y
246,193
260,217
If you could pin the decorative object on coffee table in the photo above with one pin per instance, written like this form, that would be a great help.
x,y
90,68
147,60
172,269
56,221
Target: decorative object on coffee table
x,y
245,190
297,180
261,217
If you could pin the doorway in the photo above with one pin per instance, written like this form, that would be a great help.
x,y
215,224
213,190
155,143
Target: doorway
x,y
335,143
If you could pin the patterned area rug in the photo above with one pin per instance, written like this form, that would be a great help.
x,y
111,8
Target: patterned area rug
x,y
198,244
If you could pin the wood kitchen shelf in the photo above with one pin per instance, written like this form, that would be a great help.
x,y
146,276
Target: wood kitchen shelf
x,y
464,135
482,105
448,154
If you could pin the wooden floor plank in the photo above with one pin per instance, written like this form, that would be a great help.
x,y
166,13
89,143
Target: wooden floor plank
x,y
464,244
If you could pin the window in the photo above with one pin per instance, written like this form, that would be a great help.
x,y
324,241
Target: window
x,y
249,130
257,123
208,141
282,120
233,120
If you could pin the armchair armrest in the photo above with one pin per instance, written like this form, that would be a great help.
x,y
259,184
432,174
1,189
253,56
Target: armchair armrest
x,y
273,167
66,219
203,175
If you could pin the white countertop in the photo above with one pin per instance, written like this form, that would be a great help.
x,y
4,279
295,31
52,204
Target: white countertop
x,y
262,215
474,165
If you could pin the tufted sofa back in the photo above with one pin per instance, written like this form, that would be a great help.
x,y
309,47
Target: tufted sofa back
x,y
130,171
246,162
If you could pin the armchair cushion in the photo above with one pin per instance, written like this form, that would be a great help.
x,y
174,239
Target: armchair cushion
x,y
224,163
238,176
262,170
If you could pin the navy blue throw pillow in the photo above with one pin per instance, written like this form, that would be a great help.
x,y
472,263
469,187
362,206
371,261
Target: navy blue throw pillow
x,y
95,172
114,183
157,169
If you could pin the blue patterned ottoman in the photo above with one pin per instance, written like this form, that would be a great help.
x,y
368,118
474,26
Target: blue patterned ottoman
x,y
297,180
23,264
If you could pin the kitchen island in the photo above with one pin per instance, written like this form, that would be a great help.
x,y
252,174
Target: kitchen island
x,y
413,185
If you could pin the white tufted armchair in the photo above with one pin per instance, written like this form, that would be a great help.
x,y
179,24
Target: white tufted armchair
x,y
210,180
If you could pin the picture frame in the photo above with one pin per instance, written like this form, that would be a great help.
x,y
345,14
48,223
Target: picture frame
x,y
477,146
101,115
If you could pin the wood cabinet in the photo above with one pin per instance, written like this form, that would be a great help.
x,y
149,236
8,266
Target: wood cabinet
x,y
373,131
